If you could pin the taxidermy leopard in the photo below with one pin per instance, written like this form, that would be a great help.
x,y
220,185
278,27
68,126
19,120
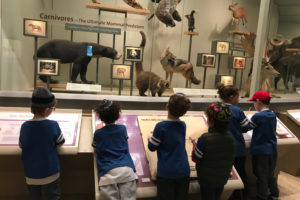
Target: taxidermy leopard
x,y
75,52
166,12
156,84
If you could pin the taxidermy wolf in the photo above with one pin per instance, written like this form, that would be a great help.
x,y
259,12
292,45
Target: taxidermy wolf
x,y
171,64
148,80
75,52
166,12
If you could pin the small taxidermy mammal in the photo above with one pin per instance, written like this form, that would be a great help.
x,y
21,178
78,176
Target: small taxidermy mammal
x,y
171,64
132,3
148,80
191,20
237,14
166,12
79,53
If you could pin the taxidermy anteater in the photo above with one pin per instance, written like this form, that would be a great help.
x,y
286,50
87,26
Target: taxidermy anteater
x,y
166,12
156,84
75,52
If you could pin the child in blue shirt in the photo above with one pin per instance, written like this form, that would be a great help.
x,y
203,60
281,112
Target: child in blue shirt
x,y
116,171
168,139
238,125
214,152
263,146
38,139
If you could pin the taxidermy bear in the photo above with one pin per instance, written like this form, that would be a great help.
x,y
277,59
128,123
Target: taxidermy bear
x,y
148,80
75,52
166,12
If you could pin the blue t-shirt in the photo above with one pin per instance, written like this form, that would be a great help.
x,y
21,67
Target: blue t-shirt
x,y
38,140
238,125
168,140
111,144
264,141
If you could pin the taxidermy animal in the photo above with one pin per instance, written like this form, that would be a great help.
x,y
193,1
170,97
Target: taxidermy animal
x,y
171,64
191,20
166,12
238,14
75,52
285,58
148,80
268,72
132,3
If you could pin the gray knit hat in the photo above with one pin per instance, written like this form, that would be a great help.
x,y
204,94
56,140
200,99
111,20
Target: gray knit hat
x,y
42,97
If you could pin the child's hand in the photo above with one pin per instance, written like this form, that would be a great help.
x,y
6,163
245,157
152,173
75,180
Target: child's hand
x,y
149,137
193,141
100,125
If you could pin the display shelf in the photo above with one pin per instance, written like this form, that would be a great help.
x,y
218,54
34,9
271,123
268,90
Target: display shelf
x,y
190,33
117,9
294,115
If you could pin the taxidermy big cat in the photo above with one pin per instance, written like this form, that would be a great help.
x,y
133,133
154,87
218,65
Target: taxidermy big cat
x,y
156,84
171,64
75,52
166,12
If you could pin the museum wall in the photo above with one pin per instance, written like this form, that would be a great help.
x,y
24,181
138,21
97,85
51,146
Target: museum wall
x,y
213,22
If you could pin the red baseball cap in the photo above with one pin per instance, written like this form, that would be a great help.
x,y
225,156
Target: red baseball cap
x,y
261,95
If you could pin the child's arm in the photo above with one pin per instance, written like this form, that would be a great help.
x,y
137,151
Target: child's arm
x,y
197,153
244,123
60,137
155,140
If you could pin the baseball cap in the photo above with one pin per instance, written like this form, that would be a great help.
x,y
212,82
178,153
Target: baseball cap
x,y
42,97
220,111
261,95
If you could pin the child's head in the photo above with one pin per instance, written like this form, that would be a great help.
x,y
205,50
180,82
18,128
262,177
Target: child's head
x,y
42,102
108,111
228,94
178,105
261,100
218,115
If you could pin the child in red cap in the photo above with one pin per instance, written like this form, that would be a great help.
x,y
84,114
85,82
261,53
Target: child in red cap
x,y
263,146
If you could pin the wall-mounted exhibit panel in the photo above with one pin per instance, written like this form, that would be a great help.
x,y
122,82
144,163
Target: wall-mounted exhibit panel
x,y
11,120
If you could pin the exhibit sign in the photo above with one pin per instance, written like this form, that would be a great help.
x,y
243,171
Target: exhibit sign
x,y
120,71
294,115
134,54
10,123
48,67
220,47
237,62
97,29
35,28
225,79
206,60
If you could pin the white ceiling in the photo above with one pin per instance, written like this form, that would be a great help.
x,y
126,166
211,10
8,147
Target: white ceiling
x,y
289,10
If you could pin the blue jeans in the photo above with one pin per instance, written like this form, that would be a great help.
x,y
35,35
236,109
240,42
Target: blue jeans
x,y
51,191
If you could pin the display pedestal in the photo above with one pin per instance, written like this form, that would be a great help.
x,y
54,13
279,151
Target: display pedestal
x,y
191,34
117,9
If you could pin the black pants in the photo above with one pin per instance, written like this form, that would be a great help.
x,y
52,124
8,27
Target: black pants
x,y
263,169
239,164
173,189
51,191
211,192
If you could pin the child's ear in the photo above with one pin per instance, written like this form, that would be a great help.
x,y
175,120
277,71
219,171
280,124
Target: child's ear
x,y
167,106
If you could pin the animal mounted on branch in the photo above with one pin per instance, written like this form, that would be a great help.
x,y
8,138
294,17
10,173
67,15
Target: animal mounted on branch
x,y
238,14
166,12
148,80
132,3
76,53
171,64
191,20
285,58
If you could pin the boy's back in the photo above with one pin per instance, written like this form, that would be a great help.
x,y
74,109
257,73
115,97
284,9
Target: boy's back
x,y
264,133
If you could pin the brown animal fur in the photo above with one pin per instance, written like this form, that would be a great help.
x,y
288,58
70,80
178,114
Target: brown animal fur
x,y
171,64
238,13
148,80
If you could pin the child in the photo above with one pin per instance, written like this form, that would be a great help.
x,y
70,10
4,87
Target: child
x,y
238,125
263,146
214,152
39,138
168,139
116,171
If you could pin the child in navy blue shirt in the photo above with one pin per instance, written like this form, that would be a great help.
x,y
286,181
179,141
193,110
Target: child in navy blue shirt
x,y
238,125
214,152
116,171
263,146
39,138
168,139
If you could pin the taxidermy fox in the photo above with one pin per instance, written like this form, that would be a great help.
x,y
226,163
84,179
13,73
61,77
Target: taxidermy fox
x,y
171,64
148,80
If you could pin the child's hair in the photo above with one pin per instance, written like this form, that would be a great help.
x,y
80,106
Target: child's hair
x,y
220,114
41,99
178,104
226,92
108,111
